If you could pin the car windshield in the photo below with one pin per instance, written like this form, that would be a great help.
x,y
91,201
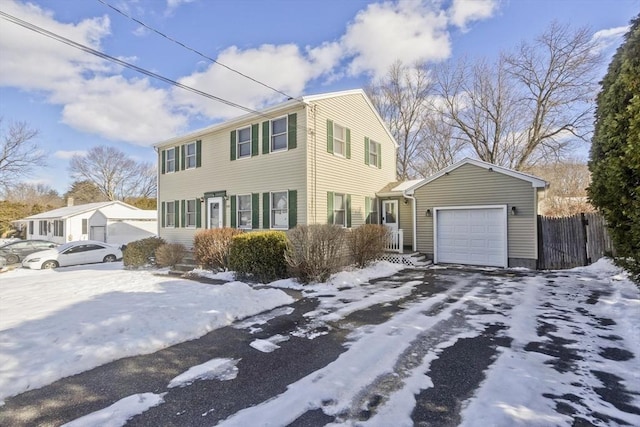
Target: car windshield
x,y
65,246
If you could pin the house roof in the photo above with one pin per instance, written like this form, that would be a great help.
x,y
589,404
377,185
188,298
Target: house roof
x,y
123,213
535,181
273,111
397,188
69,211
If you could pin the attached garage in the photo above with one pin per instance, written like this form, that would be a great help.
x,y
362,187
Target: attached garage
x,y
472,235
477,213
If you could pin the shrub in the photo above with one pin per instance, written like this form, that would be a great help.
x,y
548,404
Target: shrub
x,y
170,254
315,252
367,243
141,252
211,247
259,256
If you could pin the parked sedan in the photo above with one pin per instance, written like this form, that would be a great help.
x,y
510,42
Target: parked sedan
x,y
73,253
16,251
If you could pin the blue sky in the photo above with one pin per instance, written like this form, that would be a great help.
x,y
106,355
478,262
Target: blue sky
x,y
303,47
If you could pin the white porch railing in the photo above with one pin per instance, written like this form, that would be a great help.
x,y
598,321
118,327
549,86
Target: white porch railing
x,y
395,242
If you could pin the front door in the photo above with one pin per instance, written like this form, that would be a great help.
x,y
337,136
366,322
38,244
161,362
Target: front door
x,y
390,214
214,216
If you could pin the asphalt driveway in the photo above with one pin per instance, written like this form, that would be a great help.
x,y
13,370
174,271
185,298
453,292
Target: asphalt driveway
x,y
465,338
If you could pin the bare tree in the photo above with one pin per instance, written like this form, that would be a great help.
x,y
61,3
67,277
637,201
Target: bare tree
x,y
439,149
401,98
528,106
84,192
33,194
116,175
19,154
567,193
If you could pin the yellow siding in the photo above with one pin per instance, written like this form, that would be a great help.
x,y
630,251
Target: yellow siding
x,y
470,185
339,174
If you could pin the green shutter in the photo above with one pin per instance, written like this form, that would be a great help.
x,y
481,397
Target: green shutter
x,y
255,130
198,153
329,136
330,207
164,160
234,213
162,215
255,210
183,157
367,210
198,213
176,159
348,142
293,208
266,137
366,150
176,213
348,209
379,156
232,145
266,211
183,212
292,138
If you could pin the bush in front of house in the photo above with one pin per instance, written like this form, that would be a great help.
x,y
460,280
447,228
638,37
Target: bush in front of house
x,y
212,247
315,251
259,256
170,254
141,252
367,243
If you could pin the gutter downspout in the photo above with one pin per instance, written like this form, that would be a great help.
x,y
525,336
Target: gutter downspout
x,y
158,204
415,219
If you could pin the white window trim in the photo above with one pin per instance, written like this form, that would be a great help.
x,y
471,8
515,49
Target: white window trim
x,y
173,149
187,212
271,209
344,209
250,142
166,214
250,210
187,156
372,143
344,141
286,134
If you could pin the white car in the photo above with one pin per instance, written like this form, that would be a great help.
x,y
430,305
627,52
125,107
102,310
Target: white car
x,y
73,253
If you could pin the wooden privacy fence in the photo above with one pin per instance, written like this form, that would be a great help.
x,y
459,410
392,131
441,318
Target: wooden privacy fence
x,y
572,241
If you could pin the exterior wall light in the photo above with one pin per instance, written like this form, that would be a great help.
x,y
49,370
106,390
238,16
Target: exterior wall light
x,y
513,210
428,213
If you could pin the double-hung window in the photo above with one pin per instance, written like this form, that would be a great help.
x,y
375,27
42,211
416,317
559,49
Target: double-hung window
x,y
373,153
372,210
244,142
58,228
190,155
30,227
279,134
170,214
171,160
280,210
339,139
244,211
42,226
339,210
85,226
190,213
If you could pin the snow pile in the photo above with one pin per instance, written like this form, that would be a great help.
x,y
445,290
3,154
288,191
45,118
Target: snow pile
x,y
117,414
214,369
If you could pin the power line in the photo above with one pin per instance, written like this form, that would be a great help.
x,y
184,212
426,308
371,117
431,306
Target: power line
x,y
102,55
194,50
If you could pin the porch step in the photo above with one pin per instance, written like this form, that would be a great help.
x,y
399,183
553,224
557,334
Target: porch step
x,y
414,259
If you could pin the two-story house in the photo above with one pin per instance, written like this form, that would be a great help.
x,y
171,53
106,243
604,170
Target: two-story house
x,y
313,160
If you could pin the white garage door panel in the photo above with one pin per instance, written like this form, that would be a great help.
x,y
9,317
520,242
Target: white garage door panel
x,y
474,236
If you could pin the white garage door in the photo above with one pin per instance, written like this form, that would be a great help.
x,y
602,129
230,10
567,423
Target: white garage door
x,y
475,236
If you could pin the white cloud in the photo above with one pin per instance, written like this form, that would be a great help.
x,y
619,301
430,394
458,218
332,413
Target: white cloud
x,y
462,12
66,155
384,33
604,39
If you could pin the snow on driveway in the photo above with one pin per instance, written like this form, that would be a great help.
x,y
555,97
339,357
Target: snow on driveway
x,y
56,323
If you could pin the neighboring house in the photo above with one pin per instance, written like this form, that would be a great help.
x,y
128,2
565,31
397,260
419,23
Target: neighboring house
x,y
103,221
477,213
315,160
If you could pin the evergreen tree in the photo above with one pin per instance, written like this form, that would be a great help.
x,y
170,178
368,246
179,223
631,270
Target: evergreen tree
x,y
615,151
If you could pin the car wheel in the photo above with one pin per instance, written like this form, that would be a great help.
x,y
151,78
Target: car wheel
x,y
109,258
12,259
47,265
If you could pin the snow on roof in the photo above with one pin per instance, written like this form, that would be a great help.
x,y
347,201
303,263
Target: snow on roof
x,y
397,187
68,211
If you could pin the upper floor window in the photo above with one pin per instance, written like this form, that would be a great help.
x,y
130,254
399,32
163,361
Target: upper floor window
x,y
170,215
339,139
244,211
190,213
190,155
171,160
280,210
279,134
373,153
244,142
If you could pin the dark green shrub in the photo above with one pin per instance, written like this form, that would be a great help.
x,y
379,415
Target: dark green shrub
x,y
141,252
367,243
315,252
211,247
259,256
170,254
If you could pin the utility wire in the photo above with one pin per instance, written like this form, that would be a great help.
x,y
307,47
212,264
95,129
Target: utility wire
x,y
194,50
92,51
